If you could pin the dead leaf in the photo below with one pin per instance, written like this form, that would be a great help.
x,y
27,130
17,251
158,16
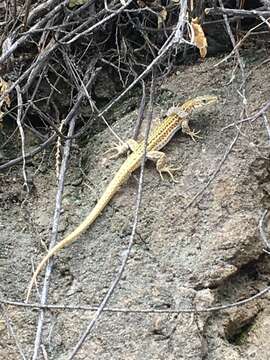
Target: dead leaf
x,y
162,16
200,40
6,99
141,3
73,3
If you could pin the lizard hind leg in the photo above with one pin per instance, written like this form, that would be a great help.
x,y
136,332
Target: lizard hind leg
x,y
121,149
162,165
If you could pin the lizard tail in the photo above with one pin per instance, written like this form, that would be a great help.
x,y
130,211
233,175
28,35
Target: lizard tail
x,y
112,188
67,241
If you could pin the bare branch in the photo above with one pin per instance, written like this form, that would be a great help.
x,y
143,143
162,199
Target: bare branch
x,y
237,12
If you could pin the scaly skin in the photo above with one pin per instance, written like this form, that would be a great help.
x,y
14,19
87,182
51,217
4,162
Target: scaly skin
x,y
177,118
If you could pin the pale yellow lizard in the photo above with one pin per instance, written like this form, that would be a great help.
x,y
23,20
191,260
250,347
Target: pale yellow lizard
x,y
176,118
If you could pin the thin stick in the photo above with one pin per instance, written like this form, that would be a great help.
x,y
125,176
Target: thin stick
x,y
48,307
19,116
261,229
251,118
199,193
236,12
53,240
131,240
57,217
11,331
222,161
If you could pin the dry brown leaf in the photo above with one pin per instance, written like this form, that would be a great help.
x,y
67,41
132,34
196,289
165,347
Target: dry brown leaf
x,y
162,16
200,40
150,3
141,3
3,88
73,3
6,100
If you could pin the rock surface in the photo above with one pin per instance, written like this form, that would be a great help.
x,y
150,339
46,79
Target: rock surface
x,y
187,253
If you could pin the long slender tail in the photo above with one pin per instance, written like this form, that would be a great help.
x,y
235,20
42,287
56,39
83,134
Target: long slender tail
x,y
119,178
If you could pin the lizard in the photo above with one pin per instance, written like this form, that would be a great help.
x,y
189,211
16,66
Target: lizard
x,y
176,118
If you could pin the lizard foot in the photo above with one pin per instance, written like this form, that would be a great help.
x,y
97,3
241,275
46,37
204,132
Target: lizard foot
x,y
194,135
123,148
118,149
169,171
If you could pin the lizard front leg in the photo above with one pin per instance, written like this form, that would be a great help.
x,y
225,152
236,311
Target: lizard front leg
x,y
161,161
122,148
187,130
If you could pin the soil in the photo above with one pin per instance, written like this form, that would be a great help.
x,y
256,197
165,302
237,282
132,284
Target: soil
x,y
184,256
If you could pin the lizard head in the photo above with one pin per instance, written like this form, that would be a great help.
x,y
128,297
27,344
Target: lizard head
x,y
198,102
